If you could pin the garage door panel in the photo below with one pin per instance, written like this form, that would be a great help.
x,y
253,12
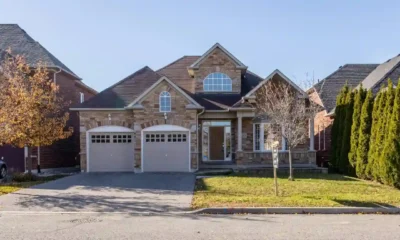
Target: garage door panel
x,y
111,152
166,152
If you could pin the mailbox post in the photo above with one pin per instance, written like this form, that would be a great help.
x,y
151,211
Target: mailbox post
x,y
275,162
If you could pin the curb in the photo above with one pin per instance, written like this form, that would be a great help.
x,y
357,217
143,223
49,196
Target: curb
x,y
298,210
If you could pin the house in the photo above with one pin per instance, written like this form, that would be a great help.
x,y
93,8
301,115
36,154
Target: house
x,y
371,76
64,153
194,113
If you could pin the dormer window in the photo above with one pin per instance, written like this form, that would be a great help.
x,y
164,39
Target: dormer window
x,y
217,82
165,102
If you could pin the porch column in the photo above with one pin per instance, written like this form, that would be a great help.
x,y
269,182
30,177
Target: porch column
x,y
239,148
311,134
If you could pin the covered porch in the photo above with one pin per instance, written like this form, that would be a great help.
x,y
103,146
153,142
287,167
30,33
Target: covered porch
x,y
234,140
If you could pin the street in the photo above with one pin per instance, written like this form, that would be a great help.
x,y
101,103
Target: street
x,y
123,226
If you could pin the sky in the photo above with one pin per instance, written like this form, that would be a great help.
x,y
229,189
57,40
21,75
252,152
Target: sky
x,y
105,41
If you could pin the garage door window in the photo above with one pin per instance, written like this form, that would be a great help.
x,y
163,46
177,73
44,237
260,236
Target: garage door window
x,y
122,138
100,138
155,137
176,137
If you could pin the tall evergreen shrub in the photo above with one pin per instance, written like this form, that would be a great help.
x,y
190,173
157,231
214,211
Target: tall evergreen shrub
x,y
390,167
344,165
359,96
364,134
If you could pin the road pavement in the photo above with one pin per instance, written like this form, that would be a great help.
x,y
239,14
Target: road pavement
x,y
122,226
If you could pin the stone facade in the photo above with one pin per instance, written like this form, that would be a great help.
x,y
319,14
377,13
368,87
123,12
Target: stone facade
x,y
217,61
140,119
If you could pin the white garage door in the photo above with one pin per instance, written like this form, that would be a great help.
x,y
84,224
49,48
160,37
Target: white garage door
x,y
111,152
166,152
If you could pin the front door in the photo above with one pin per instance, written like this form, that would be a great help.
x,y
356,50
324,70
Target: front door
x,y
217,140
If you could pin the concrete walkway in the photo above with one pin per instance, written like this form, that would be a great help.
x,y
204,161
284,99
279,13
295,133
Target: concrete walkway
x,y
106,192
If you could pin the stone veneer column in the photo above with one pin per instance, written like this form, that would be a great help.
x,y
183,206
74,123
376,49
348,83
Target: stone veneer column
x,y
311,134
239,134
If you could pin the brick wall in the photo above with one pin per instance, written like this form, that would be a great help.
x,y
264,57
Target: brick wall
x,y
218,61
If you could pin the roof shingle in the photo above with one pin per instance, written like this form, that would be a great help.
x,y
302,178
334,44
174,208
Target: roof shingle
x,y
14,37
330,87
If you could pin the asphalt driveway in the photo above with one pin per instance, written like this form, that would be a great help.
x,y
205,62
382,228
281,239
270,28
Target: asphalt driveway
x,y
106,192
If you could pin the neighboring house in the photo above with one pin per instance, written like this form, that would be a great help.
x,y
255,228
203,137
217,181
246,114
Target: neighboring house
x,y
196,112
371,76
64,153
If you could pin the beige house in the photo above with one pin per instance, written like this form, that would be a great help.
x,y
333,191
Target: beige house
x,y
194,113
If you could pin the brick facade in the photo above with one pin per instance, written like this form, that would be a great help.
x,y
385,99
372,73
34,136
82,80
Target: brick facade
x,y
218,61
139,119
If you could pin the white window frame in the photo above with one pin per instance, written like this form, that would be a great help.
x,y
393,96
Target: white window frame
x,y
167,95
262,125
210,77
82,97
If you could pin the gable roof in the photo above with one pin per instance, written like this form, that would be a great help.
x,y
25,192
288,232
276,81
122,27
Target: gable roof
x,y
329,87
380,73
238,63
141,96
123,92
127,90
177,72
283,76
14,37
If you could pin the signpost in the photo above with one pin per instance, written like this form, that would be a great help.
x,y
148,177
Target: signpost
x,y
275,162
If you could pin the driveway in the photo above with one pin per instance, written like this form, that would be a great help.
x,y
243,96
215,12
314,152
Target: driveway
x,y
106,192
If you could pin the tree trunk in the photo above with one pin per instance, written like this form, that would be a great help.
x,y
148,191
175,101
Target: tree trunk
x,y
29,160
291,178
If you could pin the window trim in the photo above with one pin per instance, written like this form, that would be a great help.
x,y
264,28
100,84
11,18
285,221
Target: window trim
x,y
224,76
81,97
283,141
166,96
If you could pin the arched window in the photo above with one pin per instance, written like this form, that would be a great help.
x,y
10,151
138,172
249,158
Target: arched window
x,y
165,102
217,82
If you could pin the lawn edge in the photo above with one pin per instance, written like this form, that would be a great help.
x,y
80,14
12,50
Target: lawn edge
x,y
297,210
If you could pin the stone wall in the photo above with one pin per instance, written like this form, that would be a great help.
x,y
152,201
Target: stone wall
x,y
218,61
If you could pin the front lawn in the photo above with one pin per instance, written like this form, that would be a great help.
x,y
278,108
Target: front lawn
x,y
308,190
15,186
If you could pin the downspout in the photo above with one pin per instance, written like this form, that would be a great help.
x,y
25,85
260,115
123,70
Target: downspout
x,y
197,136
38,148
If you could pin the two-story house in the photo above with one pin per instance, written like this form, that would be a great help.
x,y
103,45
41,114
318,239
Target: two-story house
x,y
64,153
196,112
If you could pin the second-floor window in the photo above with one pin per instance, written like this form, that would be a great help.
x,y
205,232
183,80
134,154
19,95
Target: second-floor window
x,y
82,97
217,82
165,102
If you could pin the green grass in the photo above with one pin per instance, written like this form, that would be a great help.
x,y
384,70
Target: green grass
x,y
6,188
308,190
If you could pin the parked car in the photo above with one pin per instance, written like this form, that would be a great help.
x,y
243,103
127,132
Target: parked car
x,y
3,169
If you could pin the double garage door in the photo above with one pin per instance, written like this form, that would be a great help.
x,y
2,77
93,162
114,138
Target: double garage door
x,y
161,152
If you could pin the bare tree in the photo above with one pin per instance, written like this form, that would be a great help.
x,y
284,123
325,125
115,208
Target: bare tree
x,y
286,107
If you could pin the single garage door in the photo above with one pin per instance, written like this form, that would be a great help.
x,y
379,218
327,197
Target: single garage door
x,y
111,152
166,152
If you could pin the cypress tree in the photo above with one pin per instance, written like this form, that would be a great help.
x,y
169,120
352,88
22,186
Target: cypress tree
x,y
378,137
374,127
364,136
337,128
359,96
344,165
384,132
391,156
